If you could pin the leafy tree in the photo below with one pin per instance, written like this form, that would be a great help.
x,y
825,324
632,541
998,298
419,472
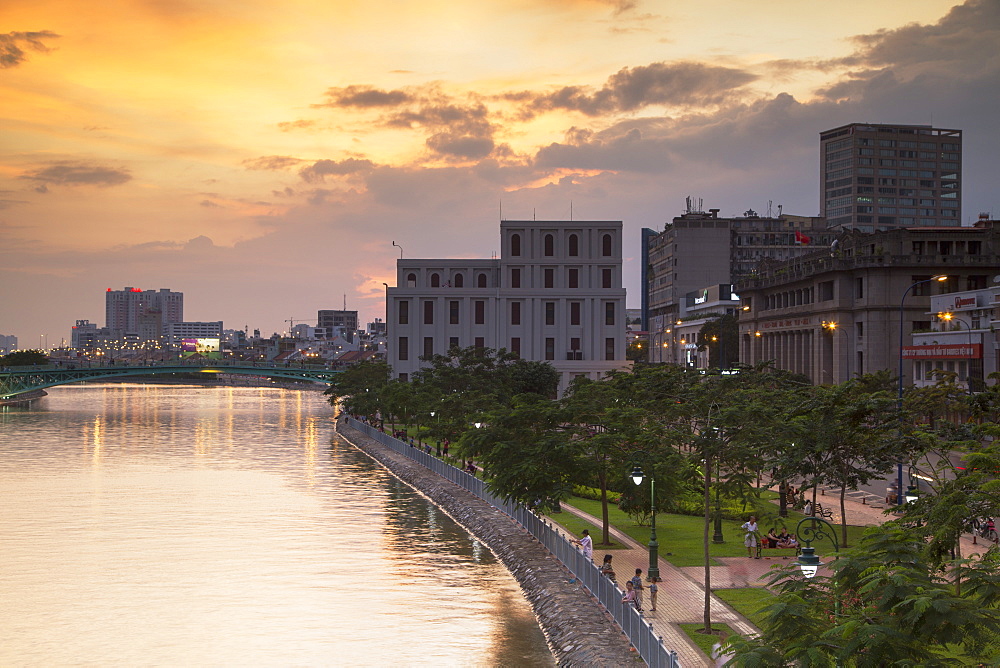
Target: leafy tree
x,y
896,609
842,435
24,358
721,336
637,351
525,454
358,387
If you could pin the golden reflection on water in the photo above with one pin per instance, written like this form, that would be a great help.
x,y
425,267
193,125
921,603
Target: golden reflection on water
x,y
195,530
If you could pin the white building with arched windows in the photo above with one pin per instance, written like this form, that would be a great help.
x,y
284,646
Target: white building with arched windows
x,y
555,295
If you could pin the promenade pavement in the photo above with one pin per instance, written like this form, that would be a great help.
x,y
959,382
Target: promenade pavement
x,y
681,591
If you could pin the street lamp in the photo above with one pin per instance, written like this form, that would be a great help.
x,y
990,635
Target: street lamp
x,y
654,568
949,318
899,397
808,561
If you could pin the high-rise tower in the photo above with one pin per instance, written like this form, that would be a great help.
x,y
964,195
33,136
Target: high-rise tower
x,y
878,177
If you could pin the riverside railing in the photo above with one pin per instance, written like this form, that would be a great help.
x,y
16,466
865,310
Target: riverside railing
x,y
639,631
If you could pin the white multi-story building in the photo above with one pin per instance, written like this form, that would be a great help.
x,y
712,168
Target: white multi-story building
x,y
142,312
555,295
174,333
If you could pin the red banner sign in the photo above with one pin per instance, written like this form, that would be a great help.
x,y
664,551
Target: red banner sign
x,y
957,351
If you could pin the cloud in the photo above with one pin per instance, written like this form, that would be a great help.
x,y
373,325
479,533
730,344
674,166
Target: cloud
x,y
67,173
316,172
630,89
272,162
364,97
11,52
7,203
301,124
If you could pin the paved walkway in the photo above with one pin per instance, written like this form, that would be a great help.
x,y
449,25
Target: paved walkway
x,y
682,594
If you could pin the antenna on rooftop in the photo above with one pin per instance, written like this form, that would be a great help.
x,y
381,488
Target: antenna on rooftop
x,y
769,208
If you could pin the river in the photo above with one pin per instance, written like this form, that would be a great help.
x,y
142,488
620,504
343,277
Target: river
x,y
172,525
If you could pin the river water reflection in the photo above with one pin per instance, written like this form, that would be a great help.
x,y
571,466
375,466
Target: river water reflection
x,y
166,525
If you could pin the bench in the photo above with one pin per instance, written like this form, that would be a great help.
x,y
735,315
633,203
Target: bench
x,y
762,546
820,511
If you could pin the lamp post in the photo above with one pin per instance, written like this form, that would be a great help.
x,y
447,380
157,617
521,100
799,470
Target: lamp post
x,y
949,318
654,568
808,561
899,397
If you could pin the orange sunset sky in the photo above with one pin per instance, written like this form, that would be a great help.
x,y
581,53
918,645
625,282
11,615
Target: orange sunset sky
x,y
261,157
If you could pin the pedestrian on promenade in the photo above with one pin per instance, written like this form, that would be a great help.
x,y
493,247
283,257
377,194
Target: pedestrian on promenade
x,y
750,537
653,591
587,544
446,444
607,569
630,596
637,586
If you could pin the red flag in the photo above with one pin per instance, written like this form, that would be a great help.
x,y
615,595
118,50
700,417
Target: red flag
x,y
801,238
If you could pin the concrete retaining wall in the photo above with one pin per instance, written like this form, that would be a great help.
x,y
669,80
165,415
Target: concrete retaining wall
x,y
577,629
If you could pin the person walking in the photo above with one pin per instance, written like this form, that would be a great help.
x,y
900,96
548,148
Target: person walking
x,y
586,543
750,537
637,586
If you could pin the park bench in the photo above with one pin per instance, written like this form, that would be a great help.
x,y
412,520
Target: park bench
x,y
762,546
820,511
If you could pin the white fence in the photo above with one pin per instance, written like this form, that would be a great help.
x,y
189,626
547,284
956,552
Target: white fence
x,y
639,631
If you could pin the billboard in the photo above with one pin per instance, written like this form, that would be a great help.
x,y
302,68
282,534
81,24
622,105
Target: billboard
x,y
210,348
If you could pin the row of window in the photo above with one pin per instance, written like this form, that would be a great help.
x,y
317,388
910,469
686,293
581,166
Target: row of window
x,y
548,279
479,312
573,353
572,245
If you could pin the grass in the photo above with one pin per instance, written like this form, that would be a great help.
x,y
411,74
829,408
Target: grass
x,y
680,536
747,601
706,640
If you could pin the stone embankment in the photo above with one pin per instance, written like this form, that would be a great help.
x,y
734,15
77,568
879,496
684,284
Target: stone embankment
x,y
578,631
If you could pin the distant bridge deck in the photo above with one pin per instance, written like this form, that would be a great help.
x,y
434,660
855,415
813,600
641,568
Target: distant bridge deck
x,y
19,380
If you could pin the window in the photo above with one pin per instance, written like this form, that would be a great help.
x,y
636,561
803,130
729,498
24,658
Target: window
x,y
606,243
481,281
605,278
428,312
825,291
574,245
480,342
550,313
574,313
459,280
480,307
859,288
975,282
860,329
404,313
515,345
550,349
453,312
574,343
435,280
411,280
428,346
609,348
609,313
574,278
515,313
550,277
921,290
404,377
549,244
452,342
404,348
515,278
515,245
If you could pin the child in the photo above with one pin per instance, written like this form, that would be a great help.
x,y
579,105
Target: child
x,y
630,596
653,589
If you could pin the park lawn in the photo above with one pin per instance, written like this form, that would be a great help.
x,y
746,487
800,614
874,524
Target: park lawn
x,y
747,601
705,641
681,538
575,525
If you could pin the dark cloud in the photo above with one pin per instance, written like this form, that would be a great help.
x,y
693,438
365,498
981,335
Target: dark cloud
x,y
208,204
78,174
460,131
658,83
12,46
316,172
272,162
364,96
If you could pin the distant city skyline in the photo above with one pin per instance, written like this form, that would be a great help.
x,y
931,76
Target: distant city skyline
x,y
263,159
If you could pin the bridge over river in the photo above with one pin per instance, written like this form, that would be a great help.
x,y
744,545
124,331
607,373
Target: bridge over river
x,y
16,381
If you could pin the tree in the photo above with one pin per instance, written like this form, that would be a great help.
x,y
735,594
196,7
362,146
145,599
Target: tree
x,y
842,435
721,336
359,387
24,358
895,609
